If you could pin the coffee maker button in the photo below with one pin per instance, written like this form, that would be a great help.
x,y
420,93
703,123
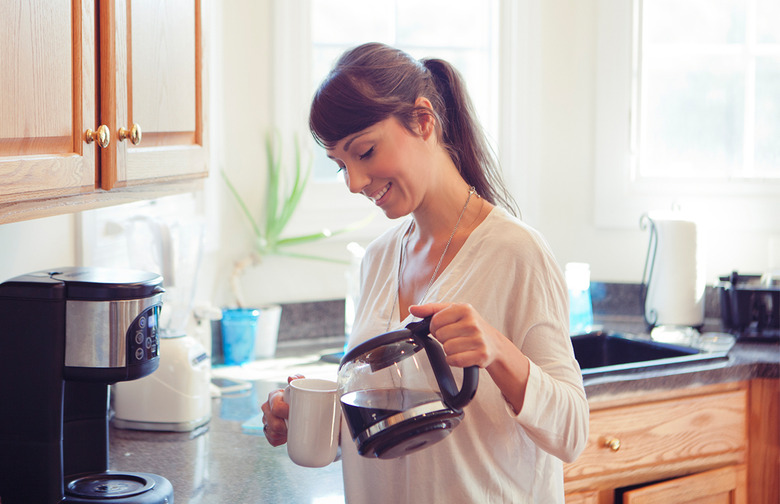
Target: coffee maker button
x,y
139,353
139,337
142,322
148,343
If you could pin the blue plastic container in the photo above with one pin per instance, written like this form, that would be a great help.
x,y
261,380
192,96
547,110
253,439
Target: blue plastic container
x,y
239,327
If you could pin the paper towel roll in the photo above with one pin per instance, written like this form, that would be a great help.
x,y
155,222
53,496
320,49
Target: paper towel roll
x,y
675,290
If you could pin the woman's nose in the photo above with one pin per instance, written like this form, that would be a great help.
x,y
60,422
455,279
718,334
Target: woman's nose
x,y
355,179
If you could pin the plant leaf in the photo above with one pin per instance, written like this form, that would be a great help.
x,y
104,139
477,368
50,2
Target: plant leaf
x,y
273,160
296,255
296,193
242,204
325,233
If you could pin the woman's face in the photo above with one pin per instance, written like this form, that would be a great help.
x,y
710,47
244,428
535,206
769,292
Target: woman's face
x,y
386,163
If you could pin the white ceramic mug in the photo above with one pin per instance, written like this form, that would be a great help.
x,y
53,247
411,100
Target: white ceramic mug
x,y
314,421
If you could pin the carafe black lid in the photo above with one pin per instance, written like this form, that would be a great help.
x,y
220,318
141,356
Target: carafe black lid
x,y
86,284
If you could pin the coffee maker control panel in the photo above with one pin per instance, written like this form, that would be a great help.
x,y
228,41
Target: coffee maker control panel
x,y
143,339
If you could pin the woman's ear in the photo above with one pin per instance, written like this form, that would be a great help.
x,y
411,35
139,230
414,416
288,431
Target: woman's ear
x,y
426,121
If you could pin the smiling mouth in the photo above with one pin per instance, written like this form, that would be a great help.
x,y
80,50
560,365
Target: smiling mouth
x,y
377,196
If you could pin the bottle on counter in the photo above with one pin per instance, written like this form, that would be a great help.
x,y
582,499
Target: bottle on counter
x,y
580,304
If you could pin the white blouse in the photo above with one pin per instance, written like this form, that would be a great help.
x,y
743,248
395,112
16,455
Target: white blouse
x,y
507,272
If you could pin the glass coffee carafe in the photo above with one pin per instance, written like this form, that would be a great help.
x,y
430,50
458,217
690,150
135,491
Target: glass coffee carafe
x,y
398,393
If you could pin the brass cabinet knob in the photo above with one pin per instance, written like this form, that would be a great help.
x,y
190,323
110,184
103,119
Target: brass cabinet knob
x,y
134,134
612,443
102,136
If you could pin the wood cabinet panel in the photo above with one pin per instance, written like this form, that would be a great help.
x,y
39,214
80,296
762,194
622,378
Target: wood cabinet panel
x,y
764,433
162,67
661,439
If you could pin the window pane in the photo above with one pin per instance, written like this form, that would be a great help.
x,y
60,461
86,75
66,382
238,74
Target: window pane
x,y
767,125
443,23
343,22
693,21
767,20
692,116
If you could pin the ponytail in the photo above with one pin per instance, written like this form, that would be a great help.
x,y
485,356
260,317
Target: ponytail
x,y
464,138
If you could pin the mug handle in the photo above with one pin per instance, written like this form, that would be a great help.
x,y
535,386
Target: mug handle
x,y
286,397
454,398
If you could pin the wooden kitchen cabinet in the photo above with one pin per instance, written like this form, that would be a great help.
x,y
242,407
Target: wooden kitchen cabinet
x,y
661,437
70,68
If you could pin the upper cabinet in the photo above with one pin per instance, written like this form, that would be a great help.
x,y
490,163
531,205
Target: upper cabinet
x,y
101,102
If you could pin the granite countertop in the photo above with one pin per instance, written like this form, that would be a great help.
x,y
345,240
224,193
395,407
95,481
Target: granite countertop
x,y
228,460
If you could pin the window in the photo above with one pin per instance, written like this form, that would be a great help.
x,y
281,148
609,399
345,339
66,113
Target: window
x,y
688,111
709,89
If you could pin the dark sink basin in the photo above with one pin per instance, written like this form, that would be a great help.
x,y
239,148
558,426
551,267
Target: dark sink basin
x,y
602,352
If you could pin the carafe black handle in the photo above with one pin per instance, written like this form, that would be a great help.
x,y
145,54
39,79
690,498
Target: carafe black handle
x,y
454,398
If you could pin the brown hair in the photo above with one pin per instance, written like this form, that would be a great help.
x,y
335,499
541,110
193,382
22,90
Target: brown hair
x,y
373,82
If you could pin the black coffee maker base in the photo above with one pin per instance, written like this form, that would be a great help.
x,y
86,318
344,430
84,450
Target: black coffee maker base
x,y
119,488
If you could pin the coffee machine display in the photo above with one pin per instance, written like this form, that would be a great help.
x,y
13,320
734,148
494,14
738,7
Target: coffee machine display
x,y
65,335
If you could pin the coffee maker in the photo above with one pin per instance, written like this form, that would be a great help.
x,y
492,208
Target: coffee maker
x,y
65,335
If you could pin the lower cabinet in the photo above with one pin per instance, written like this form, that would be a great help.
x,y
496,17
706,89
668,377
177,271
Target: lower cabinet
x,y
686,445
727,485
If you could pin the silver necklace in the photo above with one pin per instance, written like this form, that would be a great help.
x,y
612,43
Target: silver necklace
x,y
438,265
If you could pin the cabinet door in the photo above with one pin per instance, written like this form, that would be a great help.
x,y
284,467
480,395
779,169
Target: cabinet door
x,y
47,100
720,486
160,87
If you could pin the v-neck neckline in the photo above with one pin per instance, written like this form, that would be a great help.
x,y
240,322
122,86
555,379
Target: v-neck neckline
x,y
395,316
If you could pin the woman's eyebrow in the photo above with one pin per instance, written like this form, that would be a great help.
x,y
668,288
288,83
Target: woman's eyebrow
x,y
349,142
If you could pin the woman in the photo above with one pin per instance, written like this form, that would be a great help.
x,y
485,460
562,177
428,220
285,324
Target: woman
x,y
404,134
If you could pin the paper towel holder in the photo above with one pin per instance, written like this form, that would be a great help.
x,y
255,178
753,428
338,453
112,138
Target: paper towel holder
x,y
646,222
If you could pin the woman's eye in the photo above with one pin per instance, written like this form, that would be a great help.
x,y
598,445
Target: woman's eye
x,y
366,154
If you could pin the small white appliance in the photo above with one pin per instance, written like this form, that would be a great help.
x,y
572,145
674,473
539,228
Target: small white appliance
x,y
176,397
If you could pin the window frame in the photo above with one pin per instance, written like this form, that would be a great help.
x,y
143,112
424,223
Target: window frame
x,y
621,196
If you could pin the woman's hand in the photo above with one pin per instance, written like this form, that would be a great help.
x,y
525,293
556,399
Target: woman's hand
x,y
467,339
275,412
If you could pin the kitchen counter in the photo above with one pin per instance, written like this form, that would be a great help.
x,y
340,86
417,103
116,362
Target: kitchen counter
x,y
228,460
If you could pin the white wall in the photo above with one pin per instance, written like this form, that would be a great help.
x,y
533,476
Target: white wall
x,y
561,170
36,245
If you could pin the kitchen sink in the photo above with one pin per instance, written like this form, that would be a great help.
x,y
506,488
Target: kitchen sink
x,y
602,353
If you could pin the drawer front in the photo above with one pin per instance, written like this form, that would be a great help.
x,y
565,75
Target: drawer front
x,y
663,432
